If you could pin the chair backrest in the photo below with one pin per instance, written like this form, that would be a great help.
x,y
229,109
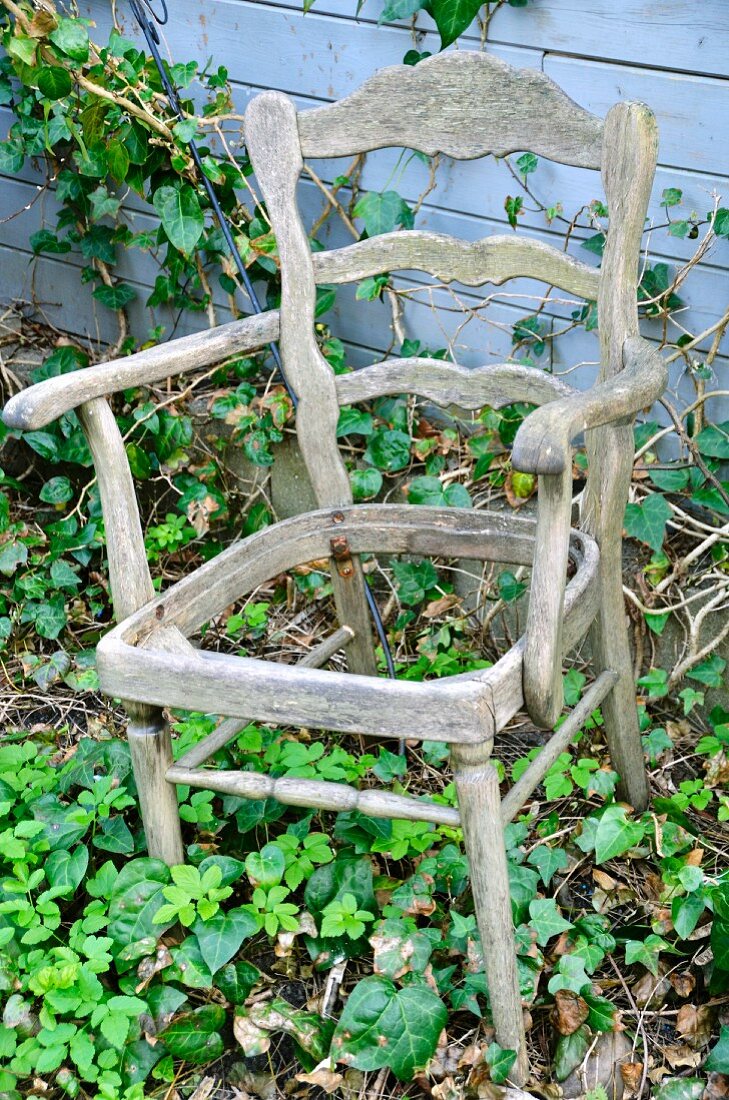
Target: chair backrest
x,y
465,105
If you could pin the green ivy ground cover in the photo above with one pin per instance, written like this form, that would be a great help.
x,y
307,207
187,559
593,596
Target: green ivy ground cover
x,y
315,949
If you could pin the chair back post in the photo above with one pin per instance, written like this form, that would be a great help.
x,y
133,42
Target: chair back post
x,y
629,161
273,142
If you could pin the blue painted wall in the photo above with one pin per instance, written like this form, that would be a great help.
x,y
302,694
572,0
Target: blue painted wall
x,y
672,54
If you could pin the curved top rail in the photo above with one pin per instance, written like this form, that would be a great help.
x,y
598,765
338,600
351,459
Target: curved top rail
x,y
464,104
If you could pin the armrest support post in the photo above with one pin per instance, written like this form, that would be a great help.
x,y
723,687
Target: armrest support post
x,y
131,584
542,675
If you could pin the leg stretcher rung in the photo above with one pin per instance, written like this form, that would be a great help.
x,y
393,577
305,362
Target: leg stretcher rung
x,y
316,794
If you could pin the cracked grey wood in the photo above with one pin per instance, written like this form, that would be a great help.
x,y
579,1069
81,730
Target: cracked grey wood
x,y
317,794
490,260
477,787
468,707
543,649
560,740
542,444
631,140
231,727
444,383
40,404
131,586
464,104
273,144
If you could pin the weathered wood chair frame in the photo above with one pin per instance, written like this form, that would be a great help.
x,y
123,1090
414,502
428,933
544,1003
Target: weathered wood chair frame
x,y
465,105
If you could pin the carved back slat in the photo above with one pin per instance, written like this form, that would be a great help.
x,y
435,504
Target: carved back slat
x,y
464,104
490,260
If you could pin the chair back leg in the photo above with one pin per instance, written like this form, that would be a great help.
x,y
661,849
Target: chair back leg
x,y
479,801
151,748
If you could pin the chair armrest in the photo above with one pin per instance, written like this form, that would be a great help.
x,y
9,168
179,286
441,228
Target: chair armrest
x,y
40,404
542,444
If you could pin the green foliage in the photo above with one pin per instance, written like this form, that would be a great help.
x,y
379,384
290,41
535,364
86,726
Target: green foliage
x,y
113,967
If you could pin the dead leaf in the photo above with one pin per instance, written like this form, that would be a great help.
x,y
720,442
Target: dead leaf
x,y
200,511
681,1055
447,1090
694,1025
717,1086
251,1038
652,991
323,1078
440,606
632,1074
203,1090
694,857
683,984
570,1011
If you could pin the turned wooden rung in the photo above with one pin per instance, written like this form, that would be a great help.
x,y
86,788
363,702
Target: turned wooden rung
x,y
320,795
315,794
558,742
230,727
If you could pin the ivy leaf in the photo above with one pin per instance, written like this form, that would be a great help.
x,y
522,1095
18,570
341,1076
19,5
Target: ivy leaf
x,y
718,1060
221,936
388,449
115,297
616,834
647,521
12,554
72,38
383,211
720,222
181,216
547,861
54,82
236,980
266,868
570,1051
399,9
646,951
65,870
135,898
546,919
400,948
452,17
714,440
118,159
12,156
365,483
195,1035
385,1026
709,672
23,48
500,1062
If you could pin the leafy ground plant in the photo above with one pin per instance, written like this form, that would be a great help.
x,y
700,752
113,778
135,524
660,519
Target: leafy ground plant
x,y
312,949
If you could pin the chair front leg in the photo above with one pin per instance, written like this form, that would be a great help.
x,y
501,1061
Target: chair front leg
x,y
479,801
150,745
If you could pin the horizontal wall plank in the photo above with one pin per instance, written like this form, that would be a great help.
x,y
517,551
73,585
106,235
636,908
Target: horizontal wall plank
x,y
681,34
691,110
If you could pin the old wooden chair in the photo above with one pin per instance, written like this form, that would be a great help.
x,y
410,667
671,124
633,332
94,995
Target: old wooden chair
x,y
465,105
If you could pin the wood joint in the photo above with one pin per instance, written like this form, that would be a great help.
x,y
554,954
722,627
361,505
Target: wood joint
x,y
342,555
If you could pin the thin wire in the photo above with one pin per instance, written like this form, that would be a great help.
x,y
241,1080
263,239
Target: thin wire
x,y
142,10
